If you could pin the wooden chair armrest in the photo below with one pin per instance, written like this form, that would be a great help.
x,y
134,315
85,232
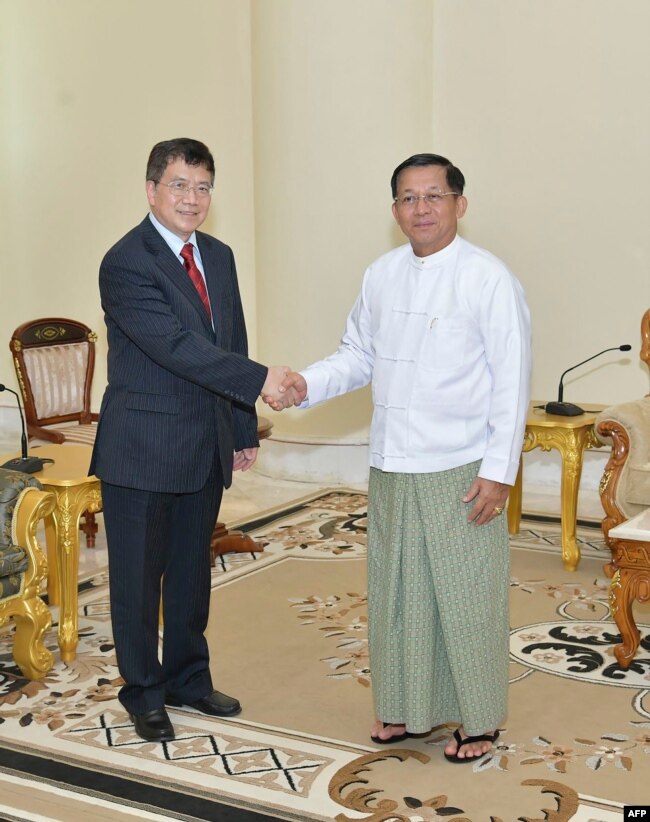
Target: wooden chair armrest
x,y
608,488
36,432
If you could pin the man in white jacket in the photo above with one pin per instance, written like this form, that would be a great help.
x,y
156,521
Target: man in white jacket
x,y
441,329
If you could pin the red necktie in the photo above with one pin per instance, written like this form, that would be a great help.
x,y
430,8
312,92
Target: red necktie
x,y
187,254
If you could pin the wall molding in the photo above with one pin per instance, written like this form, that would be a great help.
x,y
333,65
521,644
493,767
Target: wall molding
x,y
345,461
326,459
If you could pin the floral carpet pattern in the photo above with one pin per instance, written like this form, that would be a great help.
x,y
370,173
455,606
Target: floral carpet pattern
x,y
574,745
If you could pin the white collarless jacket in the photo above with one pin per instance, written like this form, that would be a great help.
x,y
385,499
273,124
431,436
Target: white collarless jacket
x,y
445,340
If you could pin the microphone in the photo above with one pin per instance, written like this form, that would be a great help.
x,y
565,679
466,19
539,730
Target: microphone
x,y
568,409
29,465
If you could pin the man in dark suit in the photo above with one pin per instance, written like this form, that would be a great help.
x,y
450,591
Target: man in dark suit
x,y
176,419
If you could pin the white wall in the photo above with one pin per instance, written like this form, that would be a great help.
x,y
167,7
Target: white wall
x,y
308,106
545,107
87,89
342,92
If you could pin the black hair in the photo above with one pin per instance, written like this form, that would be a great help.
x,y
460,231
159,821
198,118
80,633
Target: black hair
x,y
193,152
455,178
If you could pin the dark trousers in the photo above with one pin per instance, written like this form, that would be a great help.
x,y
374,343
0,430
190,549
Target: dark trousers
x,y
160,541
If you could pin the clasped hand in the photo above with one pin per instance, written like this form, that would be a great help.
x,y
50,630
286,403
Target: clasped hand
x,y
283,388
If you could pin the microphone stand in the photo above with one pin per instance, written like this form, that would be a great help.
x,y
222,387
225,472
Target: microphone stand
x,y
24,463
568,409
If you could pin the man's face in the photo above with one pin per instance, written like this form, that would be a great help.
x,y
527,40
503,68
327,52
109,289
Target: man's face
x,y
180,213
429,227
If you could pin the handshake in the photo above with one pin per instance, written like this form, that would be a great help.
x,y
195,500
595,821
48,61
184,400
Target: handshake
x,y
283,388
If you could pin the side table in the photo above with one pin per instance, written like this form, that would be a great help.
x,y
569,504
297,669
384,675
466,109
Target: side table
x,y
571,436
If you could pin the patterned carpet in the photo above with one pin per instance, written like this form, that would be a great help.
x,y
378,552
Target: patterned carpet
x,y
288,636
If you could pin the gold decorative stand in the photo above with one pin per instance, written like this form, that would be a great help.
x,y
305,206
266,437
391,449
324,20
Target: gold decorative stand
x,y
571,436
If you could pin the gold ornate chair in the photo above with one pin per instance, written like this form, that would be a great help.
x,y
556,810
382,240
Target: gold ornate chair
x,y
54,360
23,568
625,493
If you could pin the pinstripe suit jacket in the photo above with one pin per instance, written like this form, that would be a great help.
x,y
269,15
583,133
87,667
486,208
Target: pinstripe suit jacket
x,y
179,394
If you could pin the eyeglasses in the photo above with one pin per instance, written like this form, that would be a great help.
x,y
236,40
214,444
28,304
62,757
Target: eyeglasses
x,y
411,200
179,189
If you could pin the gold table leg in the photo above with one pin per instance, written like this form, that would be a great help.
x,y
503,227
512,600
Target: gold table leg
x,y
514,501
571,443
63,531
571,450
572,446
53,586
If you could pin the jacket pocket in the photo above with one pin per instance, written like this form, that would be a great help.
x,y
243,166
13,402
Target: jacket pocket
x,y
160,403
445,345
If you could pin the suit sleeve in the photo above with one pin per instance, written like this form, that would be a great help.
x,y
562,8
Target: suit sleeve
x,y
137,305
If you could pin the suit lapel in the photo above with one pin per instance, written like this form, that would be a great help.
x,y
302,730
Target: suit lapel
x,y
172,267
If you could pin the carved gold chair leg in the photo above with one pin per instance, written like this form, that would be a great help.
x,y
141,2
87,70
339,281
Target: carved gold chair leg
x,y
33,620
31,615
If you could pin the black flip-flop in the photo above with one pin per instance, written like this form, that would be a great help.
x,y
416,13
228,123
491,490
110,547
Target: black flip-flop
x,y
397,738
468,741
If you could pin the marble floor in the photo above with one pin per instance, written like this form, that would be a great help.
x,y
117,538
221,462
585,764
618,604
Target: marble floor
x,y
252,493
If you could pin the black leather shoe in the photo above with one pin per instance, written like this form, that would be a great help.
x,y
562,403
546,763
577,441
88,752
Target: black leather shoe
x,y
214,704
154,726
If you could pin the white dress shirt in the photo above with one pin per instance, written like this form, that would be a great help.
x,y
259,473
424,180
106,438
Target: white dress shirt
x,y
445,340
176,244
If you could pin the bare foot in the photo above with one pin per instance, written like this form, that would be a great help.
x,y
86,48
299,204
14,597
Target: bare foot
x,y
381,731
471,750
